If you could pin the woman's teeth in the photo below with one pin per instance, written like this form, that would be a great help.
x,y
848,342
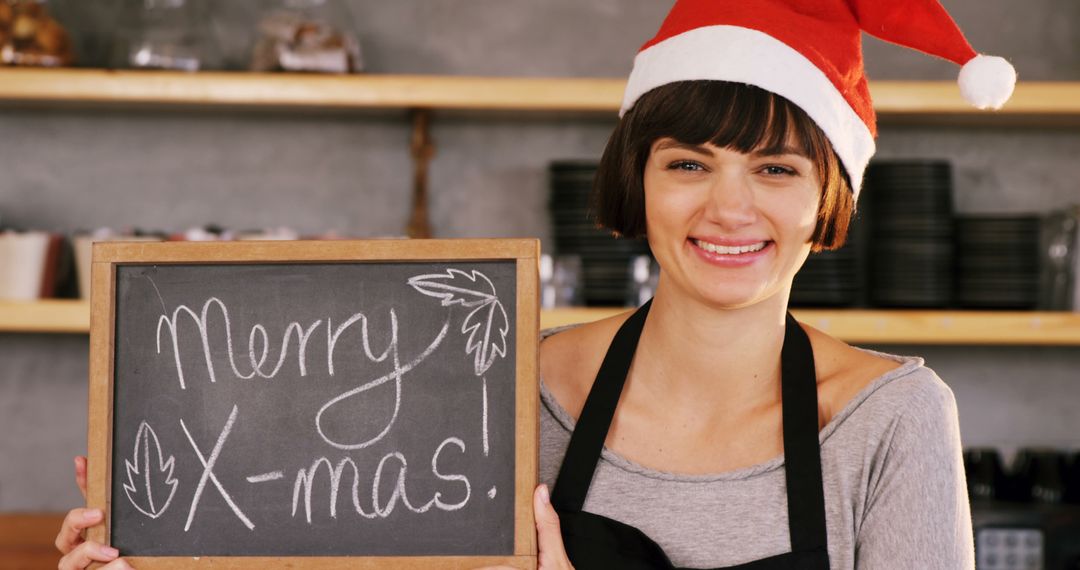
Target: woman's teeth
x,y
729,250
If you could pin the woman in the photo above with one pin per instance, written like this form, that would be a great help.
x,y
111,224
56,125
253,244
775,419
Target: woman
x,y
709,428
723,383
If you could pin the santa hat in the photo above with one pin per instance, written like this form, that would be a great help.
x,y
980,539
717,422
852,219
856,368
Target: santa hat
x,y
810,52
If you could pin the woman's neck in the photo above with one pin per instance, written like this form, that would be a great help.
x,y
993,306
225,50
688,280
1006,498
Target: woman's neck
x,y
710,362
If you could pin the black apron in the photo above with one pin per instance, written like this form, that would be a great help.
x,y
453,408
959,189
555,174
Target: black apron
x,y
594,541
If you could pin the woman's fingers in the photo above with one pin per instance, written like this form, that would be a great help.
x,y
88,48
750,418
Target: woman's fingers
x,y
85,553
118,564
80,474
552,555
71,532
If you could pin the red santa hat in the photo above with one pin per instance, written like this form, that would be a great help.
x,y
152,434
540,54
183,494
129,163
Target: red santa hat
x,y
810,52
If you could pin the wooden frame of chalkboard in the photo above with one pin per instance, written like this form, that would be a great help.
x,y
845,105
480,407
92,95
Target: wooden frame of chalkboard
x,y
112,259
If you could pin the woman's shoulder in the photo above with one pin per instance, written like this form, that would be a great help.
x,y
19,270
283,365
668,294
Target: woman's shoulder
x,y
570,355
848,376
886,394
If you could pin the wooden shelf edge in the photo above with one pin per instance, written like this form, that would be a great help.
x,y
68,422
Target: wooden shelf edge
x,y
46,316
881,326
946,327
851,325
895,101
297,90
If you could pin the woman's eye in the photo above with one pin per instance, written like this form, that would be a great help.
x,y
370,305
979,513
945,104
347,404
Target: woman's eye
x,y
686,166
780,170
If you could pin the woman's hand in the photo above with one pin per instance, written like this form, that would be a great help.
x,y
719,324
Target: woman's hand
x,y
552,554
71,542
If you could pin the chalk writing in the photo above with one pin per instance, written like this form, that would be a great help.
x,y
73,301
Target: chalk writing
x,y
258,337
264,477
305,479
396,375
208,472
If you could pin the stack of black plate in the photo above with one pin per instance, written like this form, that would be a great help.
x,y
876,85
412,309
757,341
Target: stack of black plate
x,y
605,260
836,278
912,244
998,261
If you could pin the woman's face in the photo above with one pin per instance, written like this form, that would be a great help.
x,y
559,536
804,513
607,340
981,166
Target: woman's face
x,y
728,228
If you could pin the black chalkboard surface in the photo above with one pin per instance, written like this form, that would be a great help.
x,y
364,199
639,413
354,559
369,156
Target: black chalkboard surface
x,y
366,404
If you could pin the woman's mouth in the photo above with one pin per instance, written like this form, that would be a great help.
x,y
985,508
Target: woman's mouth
x,y
731,256
730,250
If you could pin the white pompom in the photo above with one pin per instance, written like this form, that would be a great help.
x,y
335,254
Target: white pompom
x,y
987,81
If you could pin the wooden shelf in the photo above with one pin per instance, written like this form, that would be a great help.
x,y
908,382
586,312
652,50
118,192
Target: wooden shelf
x,y
74,87
48,316
896,101
851,325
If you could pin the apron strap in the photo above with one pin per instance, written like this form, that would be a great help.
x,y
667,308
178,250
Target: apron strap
x,y
587,440
802,452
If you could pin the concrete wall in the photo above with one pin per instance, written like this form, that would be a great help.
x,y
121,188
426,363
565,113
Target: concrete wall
x,y
66,170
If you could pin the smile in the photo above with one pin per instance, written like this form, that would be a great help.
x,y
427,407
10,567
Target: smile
x,y
726,250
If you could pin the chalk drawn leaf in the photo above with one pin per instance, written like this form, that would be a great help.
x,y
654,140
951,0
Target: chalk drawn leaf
x,y
456,287
143,478
487,326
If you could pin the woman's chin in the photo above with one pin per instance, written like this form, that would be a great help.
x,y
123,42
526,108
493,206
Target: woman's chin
x,y
733,297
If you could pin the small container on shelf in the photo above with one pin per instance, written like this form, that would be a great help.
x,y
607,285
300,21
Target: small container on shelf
x,y
35,265
306,35
644,278
30,36
1059,250
561,283
164,34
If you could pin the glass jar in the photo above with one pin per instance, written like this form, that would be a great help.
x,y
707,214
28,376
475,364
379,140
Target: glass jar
x,y
306,35
165,34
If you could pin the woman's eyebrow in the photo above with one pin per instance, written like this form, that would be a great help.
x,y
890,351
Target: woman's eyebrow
x,y
690,147
704,151
780,152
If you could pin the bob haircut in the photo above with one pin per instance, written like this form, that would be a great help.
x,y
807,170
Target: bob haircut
x,y
729,115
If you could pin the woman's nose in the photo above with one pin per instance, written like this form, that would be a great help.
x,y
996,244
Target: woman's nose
x,y
731,201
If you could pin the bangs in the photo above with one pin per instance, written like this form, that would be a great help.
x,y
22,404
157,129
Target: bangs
x,y
750,119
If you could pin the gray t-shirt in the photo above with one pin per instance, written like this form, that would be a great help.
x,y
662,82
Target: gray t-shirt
x,y
895,494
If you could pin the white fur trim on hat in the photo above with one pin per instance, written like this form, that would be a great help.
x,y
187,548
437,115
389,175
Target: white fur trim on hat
x,y
987,81
733,53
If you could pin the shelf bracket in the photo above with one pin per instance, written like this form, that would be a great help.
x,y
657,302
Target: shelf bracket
x,y
423,150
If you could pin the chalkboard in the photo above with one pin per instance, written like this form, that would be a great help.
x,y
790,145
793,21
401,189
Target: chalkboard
x,y
316,399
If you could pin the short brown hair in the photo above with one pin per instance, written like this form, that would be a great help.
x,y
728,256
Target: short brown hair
x,y
729,115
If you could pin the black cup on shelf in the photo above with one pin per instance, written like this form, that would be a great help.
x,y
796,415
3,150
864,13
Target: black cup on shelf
x,y
985,474
1039,476
1072,479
